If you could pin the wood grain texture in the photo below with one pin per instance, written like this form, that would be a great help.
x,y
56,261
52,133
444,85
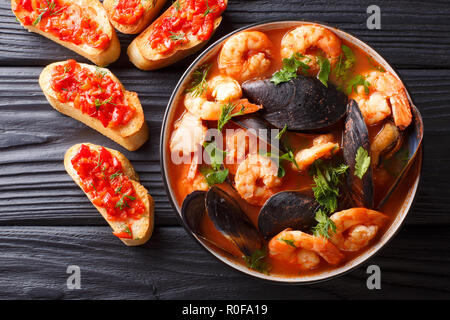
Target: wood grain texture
x,y
418,27
35,260
46,223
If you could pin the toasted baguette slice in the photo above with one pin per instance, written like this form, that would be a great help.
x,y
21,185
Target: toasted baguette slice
x,y
141,229
144,57
151,9
96,12
131,136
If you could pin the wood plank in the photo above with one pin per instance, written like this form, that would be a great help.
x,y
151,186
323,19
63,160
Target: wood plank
x,y
35,189
406,26
171,266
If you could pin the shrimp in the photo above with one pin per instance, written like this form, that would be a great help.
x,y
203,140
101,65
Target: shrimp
x,y
386,141
220,91
356,227
238,145
256,179
323,147
304,38
302,249
386,96
246,55
189,134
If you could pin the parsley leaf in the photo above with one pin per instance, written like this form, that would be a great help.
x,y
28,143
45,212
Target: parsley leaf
x,y
288,156
227,113
325,226
214,177
327,180
325,68
290,68
362,162
257,261
199,83
345,63
358,80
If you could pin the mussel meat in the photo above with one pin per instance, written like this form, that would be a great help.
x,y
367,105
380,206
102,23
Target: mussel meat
x,y
356,135
287,209
227,217
302,104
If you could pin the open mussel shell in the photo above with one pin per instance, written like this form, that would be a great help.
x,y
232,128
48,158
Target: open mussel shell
x,y
412,137
287,209
303,103
226,215
355,136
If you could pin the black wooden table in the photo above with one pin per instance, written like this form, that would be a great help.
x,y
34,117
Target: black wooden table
x,y
47,223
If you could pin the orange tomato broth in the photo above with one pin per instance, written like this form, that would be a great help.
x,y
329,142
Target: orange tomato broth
x,y
64,20
293,180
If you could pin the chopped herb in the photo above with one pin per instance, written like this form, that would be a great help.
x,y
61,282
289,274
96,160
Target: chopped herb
x,y
327,180
115,175
93,186
375,65
290,68
49,9
177,5
345,63
38,19
177,36
100,73
227,113
67,69
325,68
280,134
98,104
118,189
362,162
288,156
99,162
208,9
121,204
199,84
289,242
325,226
257,261
212,176
358,80
127,230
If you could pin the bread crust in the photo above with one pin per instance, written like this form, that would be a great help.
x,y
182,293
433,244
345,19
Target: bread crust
x,y
142,229
101,57
143,57
151,9
131,136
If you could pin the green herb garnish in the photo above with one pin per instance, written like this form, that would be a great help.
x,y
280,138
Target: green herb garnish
x,y
99,103
288,156
177,36
214,174
345,63
227,113
358,80
362,162
325,68
199,83
290,68
327,180
115,175
100,73
257,261
325,226
280,134
121,204
289,242
208,9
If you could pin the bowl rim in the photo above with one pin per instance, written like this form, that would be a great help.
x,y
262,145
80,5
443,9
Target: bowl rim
x,y
388,235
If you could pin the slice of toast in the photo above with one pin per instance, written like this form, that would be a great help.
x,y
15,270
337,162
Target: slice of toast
x,y
96,12
142,228
131,136
143,56
151,9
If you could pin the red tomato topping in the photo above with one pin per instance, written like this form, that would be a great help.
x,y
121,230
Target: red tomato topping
x,y
126,233
94,93
103,179
184,20
68,22
128,11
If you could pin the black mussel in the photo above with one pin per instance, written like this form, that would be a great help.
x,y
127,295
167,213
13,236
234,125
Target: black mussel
x,y
303,103
226,215
287,209
356,135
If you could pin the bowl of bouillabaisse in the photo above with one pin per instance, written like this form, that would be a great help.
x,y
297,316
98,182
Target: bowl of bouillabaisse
x,y
267,218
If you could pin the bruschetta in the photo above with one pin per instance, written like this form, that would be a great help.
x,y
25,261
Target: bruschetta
x,y
79,25
132,16
184,28
95,97
111,184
